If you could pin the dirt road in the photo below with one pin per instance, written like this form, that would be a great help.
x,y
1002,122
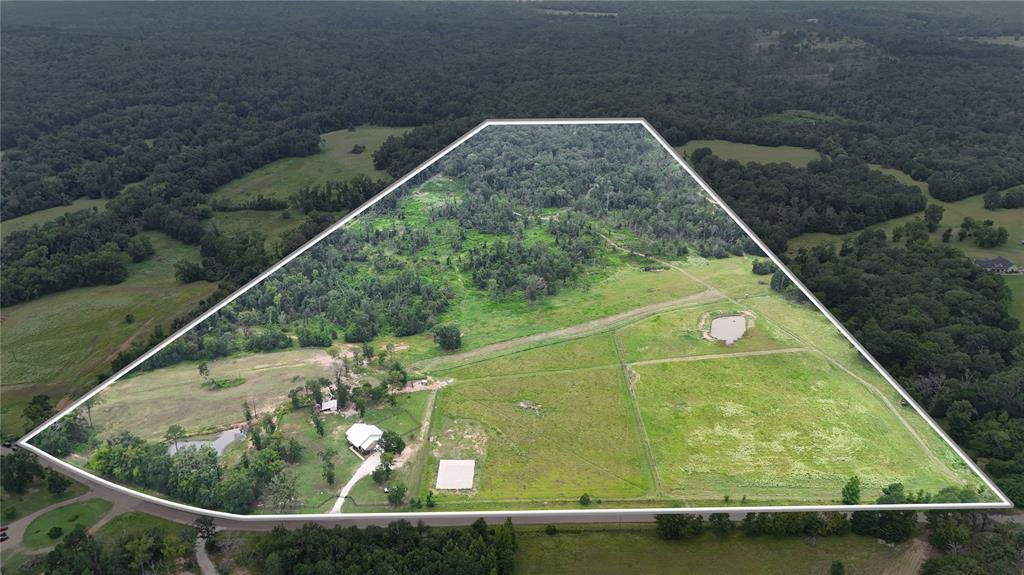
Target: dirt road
x,y
574,331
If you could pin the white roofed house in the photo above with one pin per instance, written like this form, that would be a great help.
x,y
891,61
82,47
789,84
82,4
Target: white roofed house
x,y
328,405
364,437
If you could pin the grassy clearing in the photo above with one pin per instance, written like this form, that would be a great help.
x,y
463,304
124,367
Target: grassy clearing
x,y
334,162
1016,284
35,498
536,438
974,207
42,216
593,351
132,524
486,319
744,153
1016,41
775,428
677,334
638,550
140,403
58,343
731,276
86,513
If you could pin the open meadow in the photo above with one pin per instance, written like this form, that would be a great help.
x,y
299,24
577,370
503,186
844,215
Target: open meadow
x,y
149,402
637,549
57,344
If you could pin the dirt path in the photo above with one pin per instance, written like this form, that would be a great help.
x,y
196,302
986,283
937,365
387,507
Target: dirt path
x,y
718,356
578,330
628,373
910,559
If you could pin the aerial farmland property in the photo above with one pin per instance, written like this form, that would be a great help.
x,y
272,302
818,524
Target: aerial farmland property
x,y
547,317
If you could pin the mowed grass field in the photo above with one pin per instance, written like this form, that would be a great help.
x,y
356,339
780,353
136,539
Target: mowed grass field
x,y
334,162
57,344
638,550
744,153
1016,284
786,428
148,403
42,216
539,439
787,418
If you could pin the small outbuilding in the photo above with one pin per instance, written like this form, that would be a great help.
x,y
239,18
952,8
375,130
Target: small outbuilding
x,y
328,405
455,474
364,437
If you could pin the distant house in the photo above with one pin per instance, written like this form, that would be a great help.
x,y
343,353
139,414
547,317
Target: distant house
x,y
328,405
999,265
364,437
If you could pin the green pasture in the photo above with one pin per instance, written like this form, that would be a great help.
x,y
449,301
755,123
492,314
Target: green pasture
x,y
148,403
638,550
334,162
57,344
535,438
133,524
677,334
784,428
42,216
744,153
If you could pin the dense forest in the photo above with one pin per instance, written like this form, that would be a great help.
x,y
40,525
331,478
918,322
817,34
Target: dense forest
x,y
536,196
172,114
781,201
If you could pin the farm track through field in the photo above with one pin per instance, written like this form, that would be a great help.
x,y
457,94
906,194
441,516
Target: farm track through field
x,y
718,356
572,332
627,373
870,387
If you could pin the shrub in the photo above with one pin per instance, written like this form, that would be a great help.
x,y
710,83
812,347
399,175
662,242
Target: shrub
x,y
55,532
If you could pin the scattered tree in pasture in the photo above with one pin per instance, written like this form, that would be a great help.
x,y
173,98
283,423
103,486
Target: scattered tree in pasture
x,y
38,410
933,216
173,434
851,491
448,336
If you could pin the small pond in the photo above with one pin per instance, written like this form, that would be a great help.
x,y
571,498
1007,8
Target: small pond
x,y
220,442
728,328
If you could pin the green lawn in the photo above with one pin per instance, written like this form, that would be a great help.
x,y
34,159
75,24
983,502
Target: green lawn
x,y
42,216
134,523
639,551
313,492
1016,284
744,153
86,513
785,428
334,162
35,498
58,343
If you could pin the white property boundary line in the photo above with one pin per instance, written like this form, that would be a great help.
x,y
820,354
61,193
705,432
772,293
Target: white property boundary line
x,y
596,514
